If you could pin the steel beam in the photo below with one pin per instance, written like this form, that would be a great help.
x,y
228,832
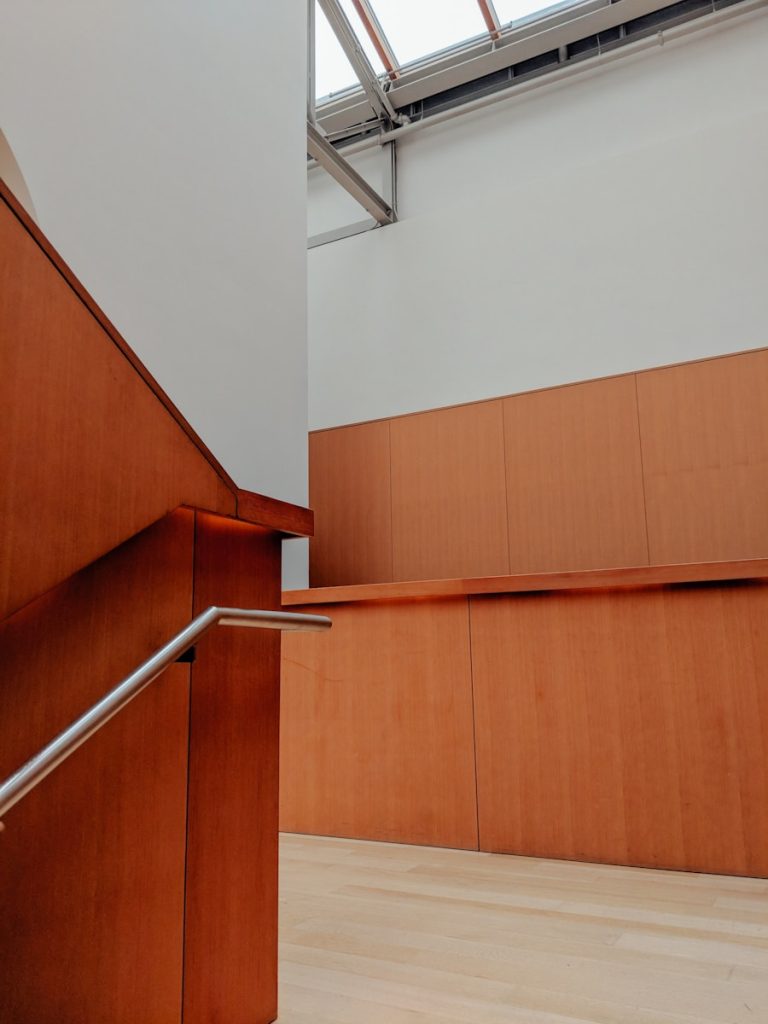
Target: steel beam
x,y
357,57
341,171
311,61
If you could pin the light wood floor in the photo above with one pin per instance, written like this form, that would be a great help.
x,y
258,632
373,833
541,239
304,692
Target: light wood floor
x,y
373,933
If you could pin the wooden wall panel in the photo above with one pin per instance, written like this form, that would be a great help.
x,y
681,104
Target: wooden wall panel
x,y
230,962
625,727
704,429
92,862
88,454
351,494
574,478
449,512
377,726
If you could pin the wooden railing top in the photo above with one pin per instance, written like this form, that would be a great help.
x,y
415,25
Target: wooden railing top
x,y
252,507
588,579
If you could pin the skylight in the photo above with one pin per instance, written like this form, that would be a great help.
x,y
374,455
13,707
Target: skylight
x,y
513,10
333,72
417,28
394,33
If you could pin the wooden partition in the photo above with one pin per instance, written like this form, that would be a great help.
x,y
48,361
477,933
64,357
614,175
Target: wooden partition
x,y
376,731
92,861
705,453
351,484
143,872
449,512
662,466
627,728
91,450
230,952
574,478
616,715
140,878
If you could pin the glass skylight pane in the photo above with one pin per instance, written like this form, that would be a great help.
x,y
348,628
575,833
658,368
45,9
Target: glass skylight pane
x,y
365,40
514,10
417,28
333,72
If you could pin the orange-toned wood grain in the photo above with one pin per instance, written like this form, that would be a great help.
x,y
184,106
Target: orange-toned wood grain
x,y
625,727
704,430
376,733
230,956
92,861
449,512
293,520
351,494
591,579
88,453
574,478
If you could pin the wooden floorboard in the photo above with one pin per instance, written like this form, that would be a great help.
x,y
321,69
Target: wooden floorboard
x,y
378,933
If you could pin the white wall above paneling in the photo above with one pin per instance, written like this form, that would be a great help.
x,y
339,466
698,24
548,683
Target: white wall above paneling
x,y
607,223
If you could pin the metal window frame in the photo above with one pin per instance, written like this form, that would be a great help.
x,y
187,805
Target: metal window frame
x,y
541,33
359,227
357,57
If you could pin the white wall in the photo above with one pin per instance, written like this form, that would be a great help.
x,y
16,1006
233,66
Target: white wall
x,y
163,143
612,222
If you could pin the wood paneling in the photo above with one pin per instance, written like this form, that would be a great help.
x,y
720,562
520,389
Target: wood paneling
x,y
377,726
88,454
449,513
591,579
581,478
230,962
92,862
704,430
351,494
574,478
625,727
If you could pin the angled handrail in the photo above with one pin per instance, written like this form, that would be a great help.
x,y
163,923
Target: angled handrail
x,y
17,786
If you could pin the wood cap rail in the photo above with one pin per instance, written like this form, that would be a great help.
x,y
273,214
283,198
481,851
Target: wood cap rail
x,y
588,579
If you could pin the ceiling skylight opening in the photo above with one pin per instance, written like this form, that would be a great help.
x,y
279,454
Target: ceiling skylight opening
x,y
333,72
510,11
419,28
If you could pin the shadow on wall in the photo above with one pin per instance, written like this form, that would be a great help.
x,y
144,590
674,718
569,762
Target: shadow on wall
x,y
10,172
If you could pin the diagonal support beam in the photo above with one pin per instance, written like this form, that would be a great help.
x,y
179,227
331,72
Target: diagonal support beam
x,y
377,36
340,170
490,17
356,56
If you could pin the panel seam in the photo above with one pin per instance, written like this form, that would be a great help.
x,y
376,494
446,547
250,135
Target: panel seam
x,y
474,723
642,471
189,773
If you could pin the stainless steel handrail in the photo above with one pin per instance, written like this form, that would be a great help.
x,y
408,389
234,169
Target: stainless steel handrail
x,y
17,786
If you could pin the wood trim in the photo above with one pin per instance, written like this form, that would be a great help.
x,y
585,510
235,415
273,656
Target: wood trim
x,y
591,579
547,387
282,516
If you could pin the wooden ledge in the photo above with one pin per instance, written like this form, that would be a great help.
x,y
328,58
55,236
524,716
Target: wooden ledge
x,y
589,579
292,520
